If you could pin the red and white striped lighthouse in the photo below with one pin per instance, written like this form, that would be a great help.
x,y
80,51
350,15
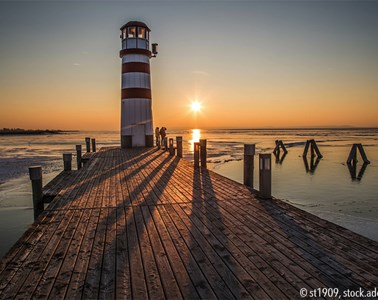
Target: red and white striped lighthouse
x,y
136,105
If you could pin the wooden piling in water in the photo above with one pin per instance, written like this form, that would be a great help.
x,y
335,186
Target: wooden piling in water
x,y
179,145
203,152
279,144
249,152
165,144
93,145
196,154
314,149
67,161
88,144
35,174
353,154
78,156
171,147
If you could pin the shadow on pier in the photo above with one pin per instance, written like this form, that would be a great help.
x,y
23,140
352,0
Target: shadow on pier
x,y
142,224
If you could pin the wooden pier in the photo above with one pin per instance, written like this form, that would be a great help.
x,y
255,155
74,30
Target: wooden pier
x,y
146,225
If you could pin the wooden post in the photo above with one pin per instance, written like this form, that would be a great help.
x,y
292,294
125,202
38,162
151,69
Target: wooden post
x,y
88,144
352,155
249,152
352,158
171,147
314,149
165,144
67,161
94,145
363,154
203,153
306,148
196,154
35,174
78,156
179,145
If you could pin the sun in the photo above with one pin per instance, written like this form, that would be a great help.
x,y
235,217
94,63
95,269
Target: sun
x,y
196,106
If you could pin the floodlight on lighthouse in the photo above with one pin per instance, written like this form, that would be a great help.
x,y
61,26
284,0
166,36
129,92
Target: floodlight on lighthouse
x,y
154,49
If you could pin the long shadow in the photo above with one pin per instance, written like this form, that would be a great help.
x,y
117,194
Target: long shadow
x,y
211,251
99,254
78,185
134,237
331,271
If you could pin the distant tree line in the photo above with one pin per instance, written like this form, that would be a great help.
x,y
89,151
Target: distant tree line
x,y
13,131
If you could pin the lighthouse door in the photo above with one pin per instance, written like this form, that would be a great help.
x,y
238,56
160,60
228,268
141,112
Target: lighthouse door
x,y
139,136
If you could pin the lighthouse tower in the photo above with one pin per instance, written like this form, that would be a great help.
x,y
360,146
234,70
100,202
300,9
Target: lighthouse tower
x,y
136,106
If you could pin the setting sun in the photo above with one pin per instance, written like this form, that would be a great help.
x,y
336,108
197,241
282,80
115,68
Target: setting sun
x,y
196,106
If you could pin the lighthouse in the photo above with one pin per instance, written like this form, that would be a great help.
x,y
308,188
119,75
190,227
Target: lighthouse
x,y
136,100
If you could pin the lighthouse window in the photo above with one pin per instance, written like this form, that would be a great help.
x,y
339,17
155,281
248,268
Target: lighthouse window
x,y
131,32
141,32
123,33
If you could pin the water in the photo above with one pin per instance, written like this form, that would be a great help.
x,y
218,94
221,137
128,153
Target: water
x,y
328,191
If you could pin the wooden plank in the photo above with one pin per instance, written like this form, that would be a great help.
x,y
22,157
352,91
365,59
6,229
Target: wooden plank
x,y
138,280
153,279
93,275
43,254
122,272
176,262
213,281
77,280
168,280
59,255
16,262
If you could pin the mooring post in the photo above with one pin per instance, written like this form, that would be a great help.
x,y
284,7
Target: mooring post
x,y
171,147
165,144
265,178
203,152
196,154
67,161
93,145
88,144
249,152
35,174
78,156
179,145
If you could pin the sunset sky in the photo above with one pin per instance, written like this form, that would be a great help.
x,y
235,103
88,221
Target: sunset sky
x,y
250,63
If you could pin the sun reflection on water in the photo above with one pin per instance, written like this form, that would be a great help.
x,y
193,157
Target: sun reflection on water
x,y
196,135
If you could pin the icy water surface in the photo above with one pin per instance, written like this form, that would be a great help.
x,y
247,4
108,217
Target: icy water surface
x,y
326,190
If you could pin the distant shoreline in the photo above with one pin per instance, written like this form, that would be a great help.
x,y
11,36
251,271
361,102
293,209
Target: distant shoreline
x,y
19,131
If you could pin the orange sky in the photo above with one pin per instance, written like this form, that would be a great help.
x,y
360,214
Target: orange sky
x,y
250,64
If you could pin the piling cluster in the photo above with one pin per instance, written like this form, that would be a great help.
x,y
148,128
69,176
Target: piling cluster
x,y
35,173
200,160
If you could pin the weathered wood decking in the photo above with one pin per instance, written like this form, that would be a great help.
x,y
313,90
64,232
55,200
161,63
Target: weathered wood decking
x,y
142,224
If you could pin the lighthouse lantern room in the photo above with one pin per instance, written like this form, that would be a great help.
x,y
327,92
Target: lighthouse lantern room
x,y
136,105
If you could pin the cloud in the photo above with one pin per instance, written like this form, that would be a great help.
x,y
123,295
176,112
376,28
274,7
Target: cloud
x,y
202,73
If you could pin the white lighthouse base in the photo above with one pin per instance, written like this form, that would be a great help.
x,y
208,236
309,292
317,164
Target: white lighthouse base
x,y
136,123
